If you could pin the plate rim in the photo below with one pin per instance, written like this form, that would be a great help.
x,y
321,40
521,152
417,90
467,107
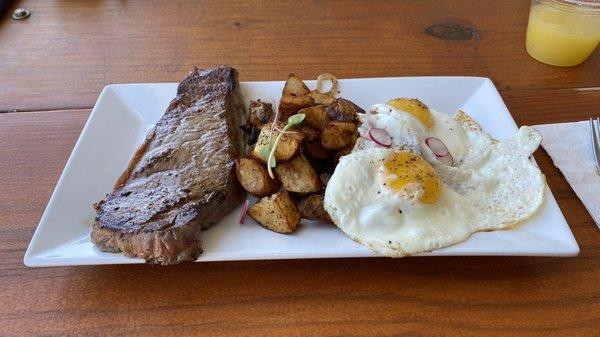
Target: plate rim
x,y
35,260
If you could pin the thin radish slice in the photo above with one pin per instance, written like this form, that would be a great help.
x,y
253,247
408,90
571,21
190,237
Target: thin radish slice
x,y
273,123
437,146
380,137
447,159
244,211
280,130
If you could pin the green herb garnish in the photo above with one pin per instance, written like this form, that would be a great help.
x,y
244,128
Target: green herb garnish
x,y
264,153
292,121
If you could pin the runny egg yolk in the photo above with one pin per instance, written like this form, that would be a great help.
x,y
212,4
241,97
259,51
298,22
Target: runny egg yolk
x,y
415,107
407,169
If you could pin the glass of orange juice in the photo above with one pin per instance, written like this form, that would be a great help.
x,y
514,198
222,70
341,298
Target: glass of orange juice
x,y
563,32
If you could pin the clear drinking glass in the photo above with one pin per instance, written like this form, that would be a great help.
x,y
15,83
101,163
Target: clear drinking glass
x,y
563,32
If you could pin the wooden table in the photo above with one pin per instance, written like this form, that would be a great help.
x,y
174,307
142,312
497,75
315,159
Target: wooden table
x,y
54,64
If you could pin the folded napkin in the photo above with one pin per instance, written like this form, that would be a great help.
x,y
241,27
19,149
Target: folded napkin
x,y
570,147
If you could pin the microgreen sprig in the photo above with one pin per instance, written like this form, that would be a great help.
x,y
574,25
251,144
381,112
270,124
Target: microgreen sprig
x,y
292,121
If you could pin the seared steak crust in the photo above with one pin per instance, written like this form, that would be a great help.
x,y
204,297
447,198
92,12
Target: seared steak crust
x,y
182,178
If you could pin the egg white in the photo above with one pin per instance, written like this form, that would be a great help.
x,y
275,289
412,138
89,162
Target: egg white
x,y
381,219
409,133
406,131
492,185
498,177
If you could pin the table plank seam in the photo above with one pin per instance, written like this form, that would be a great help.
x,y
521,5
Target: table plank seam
x,y
501,90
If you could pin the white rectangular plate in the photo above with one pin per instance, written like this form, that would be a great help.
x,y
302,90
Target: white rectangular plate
x,y
124,114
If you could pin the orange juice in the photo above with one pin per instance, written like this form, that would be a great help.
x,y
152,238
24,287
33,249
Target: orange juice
x,y
560,35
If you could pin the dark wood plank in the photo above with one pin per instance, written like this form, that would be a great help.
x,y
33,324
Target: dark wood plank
x,y
462,296
537,106
64,54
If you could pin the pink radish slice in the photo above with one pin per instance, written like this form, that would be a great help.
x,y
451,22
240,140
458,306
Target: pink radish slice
x,y
244,211
380,137
447,159
437,146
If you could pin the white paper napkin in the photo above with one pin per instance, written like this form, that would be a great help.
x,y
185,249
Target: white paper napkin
x,y
570,147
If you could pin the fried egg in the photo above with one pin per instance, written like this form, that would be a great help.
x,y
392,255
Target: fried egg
x,y
402,200
409,131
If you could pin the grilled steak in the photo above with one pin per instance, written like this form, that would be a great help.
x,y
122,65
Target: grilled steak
x,y
182,178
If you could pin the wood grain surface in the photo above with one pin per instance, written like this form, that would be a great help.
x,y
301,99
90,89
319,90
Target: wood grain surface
x,y
461,296
59,59
64,54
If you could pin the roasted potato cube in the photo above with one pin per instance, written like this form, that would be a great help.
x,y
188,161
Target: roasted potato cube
x,y
316,116
296,133
311,135
342,152
315,150
312,144
298,176
290,105
313,209
260,113
343,110
321,98
254,178
294,86
277,213
337,135
288,146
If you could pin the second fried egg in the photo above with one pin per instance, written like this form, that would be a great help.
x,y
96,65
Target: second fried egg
x,y
401,200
